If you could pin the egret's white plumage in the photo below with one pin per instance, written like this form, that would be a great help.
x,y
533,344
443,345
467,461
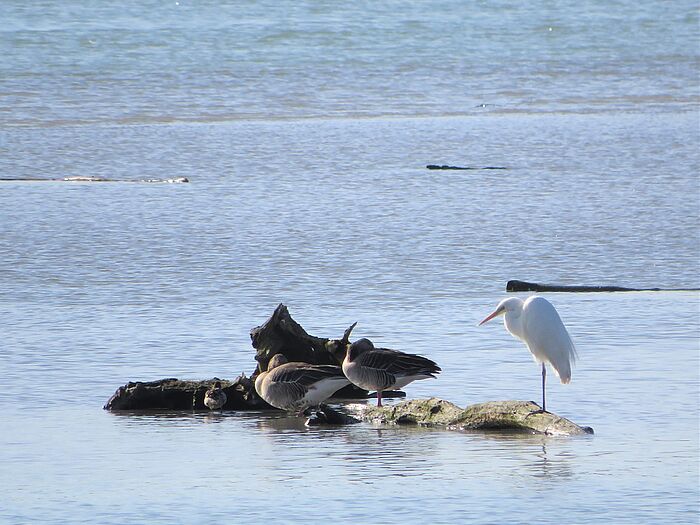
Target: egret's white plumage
x,y
536,322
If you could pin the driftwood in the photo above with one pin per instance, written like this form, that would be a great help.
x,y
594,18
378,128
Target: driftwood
x,y
524,286
174,394
86,178
280,334
446,167
522,416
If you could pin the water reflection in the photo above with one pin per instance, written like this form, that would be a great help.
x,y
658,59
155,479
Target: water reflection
x,y
532,455
278,423
368,452
557,466
180,418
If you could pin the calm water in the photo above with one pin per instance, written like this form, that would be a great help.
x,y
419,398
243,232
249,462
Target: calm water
x,y
305,129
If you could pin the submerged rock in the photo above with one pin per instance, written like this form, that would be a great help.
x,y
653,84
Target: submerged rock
x,y
523,416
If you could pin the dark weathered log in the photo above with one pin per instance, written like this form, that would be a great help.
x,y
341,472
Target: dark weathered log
x,y
174,394
524,286
279,334
523,416
446,167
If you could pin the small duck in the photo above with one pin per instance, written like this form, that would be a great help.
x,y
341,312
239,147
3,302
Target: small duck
x,y
297,386
215,398
381,369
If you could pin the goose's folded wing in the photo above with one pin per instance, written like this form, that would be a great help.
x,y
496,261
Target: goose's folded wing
x,y
305,375
398,363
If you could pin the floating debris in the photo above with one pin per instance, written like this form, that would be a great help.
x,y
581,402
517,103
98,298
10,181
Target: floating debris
x,y
524,286
82,178
446,167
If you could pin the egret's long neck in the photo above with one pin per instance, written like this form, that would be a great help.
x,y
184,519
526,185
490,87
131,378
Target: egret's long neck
x,y
514,324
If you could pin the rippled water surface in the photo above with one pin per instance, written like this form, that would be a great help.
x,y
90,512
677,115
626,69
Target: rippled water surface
x,y
305,132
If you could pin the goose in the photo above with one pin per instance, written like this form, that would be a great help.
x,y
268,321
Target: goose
x,y
381,369
215,398
297,386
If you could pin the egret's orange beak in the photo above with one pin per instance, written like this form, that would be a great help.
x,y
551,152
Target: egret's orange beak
x,y
491,316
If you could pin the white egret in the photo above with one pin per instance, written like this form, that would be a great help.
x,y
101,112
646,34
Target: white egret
x,y
536,323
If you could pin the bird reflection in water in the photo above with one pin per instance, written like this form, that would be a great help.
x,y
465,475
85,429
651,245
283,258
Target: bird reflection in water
x,y
531,455
556,466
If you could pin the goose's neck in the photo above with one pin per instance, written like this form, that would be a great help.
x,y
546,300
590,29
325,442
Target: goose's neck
x,y
259,380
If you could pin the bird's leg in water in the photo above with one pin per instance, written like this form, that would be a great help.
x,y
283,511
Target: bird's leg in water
x,y
544,376
379,398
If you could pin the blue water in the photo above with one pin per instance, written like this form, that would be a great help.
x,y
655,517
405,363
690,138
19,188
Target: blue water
x,y
305,129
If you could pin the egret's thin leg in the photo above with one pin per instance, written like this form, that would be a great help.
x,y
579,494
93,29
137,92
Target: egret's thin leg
x,y
544,375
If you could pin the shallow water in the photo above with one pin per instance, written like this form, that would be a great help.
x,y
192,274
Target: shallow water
x,y
308,187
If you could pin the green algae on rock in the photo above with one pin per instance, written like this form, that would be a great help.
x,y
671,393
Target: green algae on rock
x,y
424,412
523,416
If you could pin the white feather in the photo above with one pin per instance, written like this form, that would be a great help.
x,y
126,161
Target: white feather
x,y
546,336
322,390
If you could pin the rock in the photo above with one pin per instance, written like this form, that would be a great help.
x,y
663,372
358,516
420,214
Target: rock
x,y
516,415
424,412
522,416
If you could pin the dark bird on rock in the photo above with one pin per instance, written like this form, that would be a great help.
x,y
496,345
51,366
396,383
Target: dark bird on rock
x,y
215,398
